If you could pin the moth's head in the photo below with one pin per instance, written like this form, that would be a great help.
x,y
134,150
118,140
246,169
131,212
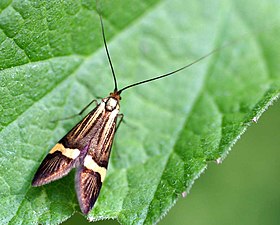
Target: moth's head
x,y
112,102
116,95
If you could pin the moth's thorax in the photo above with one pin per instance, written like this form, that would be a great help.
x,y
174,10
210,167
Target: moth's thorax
x,y
111,103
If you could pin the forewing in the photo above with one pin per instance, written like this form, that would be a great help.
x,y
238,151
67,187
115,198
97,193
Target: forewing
x,y
92,172
56,164
88,185
69,151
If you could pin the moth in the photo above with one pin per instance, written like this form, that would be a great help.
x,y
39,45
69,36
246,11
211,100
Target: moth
x,y
87,146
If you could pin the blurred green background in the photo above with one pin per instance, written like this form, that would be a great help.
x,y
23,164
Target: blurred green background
x,y
244,189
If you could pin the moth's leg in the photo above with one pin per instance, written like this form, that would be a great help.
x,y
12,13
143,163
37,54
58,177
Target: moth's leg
x,y
80,113
120,120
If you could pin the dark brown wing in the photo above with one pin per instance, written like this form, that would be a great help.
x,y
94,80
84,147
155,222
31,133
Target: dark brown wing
x,y
56,164
88,185
92,172
69,151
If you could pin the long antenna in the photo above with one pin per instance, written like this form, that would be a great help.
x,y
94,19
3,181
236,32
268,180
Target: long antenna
x,y
108,55
176,71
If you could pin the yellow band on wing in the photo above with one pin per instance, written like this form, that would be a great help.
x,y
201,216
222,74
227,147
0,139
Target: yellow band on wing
x,y
90,164
68,152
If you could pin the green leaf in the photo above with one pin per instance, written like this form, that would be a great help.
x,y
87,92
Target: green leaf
x,y
53,63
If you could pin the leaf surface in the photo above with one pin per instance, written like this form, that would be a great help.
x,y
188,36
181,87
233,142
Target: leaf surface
x,y
53,63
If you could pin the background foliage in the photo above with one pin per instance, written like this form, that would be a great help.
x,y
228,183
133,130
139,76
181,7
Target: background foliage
x,y
53,63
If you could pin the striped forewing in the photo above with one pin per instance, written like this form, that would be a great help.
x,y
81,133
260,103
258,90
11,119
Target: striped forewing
x,y
87,146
